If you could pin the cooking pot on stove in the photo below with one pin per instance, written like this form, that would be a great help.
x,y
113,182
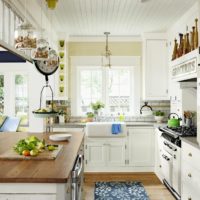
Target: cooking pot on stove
x,y
173,120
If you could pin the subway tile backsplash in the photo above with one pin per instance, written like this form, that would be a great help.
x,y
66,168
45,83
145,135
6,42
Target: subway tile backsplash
x,y
156,105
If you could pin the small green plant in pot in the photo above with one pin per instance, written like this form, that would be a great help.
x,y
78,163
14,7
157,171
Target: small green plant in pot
x,y
159,116
90,116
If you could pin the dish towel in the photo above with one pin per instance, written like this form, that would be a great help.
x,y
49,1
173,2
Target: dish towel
x,y
116,128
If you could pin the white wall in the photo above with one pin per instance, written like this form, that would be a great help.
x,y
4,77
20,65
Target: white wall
x,y
36,81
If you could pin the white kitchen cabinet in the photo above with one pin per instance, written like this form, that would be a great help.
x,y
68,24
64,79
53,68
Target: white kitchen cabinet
x,y
116,154
141,146
190,172
95,154
155,67
35,191
106,153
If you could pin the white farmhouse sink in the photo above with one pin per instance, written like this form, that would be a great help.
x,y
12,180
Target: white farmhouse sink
x,y
104,129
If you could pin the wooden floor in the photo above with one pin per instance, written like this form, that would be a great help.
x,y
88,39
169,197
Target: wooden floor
x,y
154,188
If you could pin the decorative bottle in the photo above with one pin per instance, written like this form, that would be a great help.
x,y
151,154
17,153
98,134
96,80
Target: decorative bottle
x,y
180,49
174,55
192,38
188,47
196,41
184,44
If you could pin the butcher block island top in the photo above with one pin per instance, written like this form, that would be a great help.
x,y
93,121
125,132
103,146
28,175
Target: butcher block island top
x,y
38,171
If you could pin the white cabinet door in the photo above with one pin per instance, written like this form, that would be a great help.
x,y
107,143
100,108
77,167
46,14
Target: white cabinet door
x,y
95,154
107,153
141,147
116,154
155,69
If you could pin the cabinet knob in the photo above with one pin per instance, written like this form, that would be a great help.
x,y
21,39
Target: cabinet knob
x,y
189,175
189,198
190,154
160,166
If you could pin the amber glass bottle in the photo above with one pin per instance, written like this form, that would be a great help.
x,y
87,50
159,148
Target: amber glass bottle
x,y
196,40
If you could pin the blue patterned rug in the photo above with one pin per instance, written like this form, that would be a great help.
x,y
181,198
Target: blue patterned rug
x,y
120,191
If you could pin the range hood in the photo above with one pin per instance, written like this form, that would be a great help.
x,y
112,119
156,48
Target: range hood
x,y
9,54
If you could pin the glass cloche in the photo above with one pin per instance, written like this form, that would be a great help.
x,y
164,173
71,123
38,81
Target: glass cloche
x,y
25,37
42,50
53,58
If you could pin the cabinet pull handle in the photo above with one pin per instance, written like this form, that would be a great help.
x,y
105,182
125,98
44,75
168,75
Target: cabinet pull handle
x,y
189,175
190,154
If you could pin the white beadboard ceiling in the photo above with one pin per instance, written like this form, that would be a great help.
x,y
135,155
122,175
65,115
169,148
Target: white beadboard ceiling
x,y
120,17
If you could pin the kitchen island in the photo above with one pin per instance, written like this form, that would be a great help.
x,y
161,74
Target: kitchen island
x,y
36,179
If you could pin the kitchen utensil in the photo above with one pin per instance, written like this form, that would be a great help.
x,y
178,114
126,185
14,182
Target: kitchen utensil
x,y
173,122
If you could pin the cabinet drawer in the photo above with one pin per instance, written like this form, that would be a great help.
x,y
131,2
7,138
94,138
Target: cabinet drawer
x,y
191,155
189,194
190,182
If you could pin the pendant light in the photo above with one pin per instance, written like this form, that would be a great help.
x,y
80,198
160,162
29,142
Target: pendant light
x,y
106,61
25,34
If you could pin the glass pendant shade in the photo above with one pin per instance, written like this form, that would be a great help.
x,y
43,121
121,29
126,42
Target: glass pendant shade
x,y
25,37
106,60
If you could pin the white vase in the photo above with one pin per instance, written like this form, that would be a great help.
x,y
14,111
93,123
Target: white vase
x,y
159,119
61,119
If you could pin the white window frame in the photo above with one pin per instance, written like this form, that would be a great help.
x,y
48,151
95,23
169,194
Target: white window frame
x,y
117,61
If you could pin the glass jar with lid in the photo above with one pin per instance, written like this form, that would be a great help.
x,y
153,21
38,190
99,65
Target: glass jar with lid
x,y
25,37
42,50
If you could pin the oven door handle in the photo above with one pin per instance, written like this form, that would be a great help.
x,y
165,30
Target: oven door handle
x,y
80,160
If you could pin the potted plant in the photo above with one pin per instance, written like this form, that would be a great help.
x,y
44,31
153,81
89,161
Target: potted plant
x,y
97,106
90,116
159,116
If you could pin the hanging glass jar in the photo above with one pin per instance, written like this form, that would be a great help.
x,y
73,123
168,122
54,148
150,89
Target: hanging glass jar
x,y
25,37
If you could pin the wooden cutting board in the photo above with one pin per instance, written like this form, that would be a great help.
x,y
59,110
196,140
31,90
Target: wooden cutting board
x,y
46,155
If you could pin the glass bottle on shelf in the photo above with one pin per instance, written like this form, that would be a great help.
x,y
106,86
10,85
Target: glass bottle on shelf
x,y
188,47
196,40
184,44
180,49
175,49
192,33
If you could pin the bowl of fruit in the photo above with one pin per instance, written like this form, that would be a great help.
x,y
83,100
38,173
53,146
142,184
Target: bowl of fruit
x,y
44,113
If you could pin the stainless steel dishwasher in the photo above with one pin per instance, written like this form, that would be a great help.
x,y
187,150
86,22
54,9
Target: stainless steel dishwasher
x,y
77,178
